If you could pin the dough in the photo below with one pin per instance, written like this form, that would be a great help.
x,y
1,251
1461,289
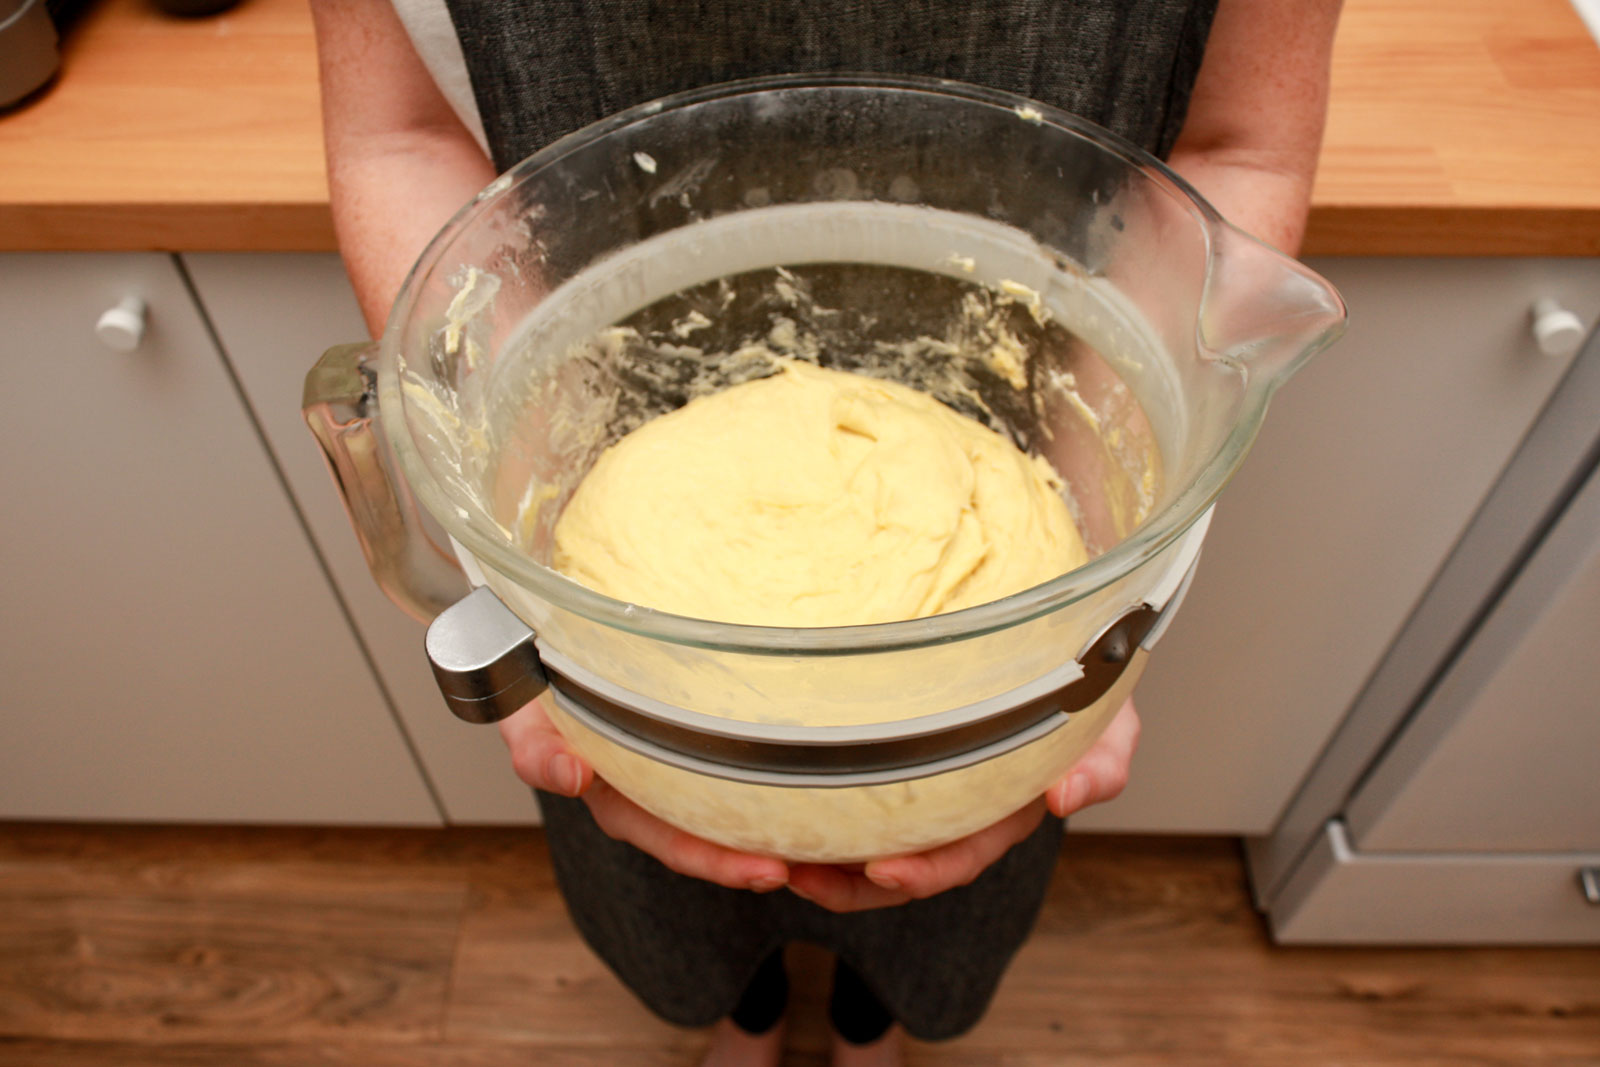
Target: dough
x,y
815,498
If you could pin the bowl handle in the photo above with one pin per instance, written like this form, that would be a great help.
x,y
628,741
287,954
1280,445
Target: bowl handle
x,y
340,405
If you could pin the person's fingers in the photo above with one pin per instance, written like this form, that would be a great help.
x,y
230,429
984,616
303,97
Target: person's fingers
x,y
840,890
541,756
888,882
695,857
926,873
1102,773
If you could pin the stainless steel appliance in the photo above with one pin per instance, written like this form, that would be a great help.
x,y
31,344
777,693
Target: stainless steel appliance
x,y
29,47
1459,802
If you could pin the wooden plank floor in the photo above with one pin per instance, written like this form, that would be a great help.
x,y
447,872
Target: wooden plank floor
x,y
162,946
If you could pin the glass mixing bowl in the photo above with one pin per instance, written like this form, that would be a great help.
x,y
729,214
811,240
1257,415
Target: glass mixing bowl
x,y
1026,267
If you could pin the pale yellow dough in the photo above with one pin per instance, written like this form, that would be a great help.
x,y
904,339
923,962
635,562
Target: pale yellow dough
x,y
815,498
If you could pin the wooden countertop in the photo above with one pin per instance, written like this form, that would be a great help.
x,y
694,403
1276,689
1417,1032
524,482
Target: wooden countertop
x,y
1462,128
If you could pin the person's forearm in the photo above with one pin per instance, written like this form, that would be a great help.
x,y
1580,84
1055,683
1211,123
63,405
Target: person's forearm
x,y
390,196
1271,205
399,161
1254,128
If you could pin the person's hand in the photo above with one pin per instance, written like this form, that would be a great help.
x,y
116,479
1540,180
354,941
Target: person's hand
x,y
543,759
1099,776
1102,773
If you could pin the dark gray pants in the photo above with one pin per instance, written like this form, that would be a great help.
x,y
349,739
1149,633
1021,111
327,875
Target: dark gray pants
x,y
687,948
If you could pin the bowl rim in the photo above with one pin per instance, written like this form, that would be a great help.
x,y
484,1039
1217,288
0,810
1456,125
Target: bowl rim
x,y
473,531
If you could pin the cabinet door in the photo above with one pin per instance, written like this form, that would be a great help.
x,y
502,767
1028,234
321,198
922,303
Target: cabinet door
x,y
1370,465
172,649
275,314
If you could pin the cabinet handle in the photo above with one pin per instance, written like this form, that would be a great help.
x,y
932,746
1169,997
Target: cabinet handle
x,y
1557,331
1589,882
121,328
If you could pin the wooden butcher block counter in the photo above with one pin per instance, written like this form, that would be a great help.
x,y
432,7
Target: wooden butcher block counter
x,y
1468,128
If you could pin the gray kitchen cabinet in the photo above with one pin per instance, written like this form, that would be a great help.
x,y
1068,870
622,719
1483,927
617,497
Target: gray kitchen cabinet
x,y
1369,467
172,650
274,315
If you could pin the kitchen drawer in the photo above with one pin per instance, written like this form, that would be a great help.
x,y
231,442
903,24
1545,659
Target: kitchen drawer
x,y
1339,895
